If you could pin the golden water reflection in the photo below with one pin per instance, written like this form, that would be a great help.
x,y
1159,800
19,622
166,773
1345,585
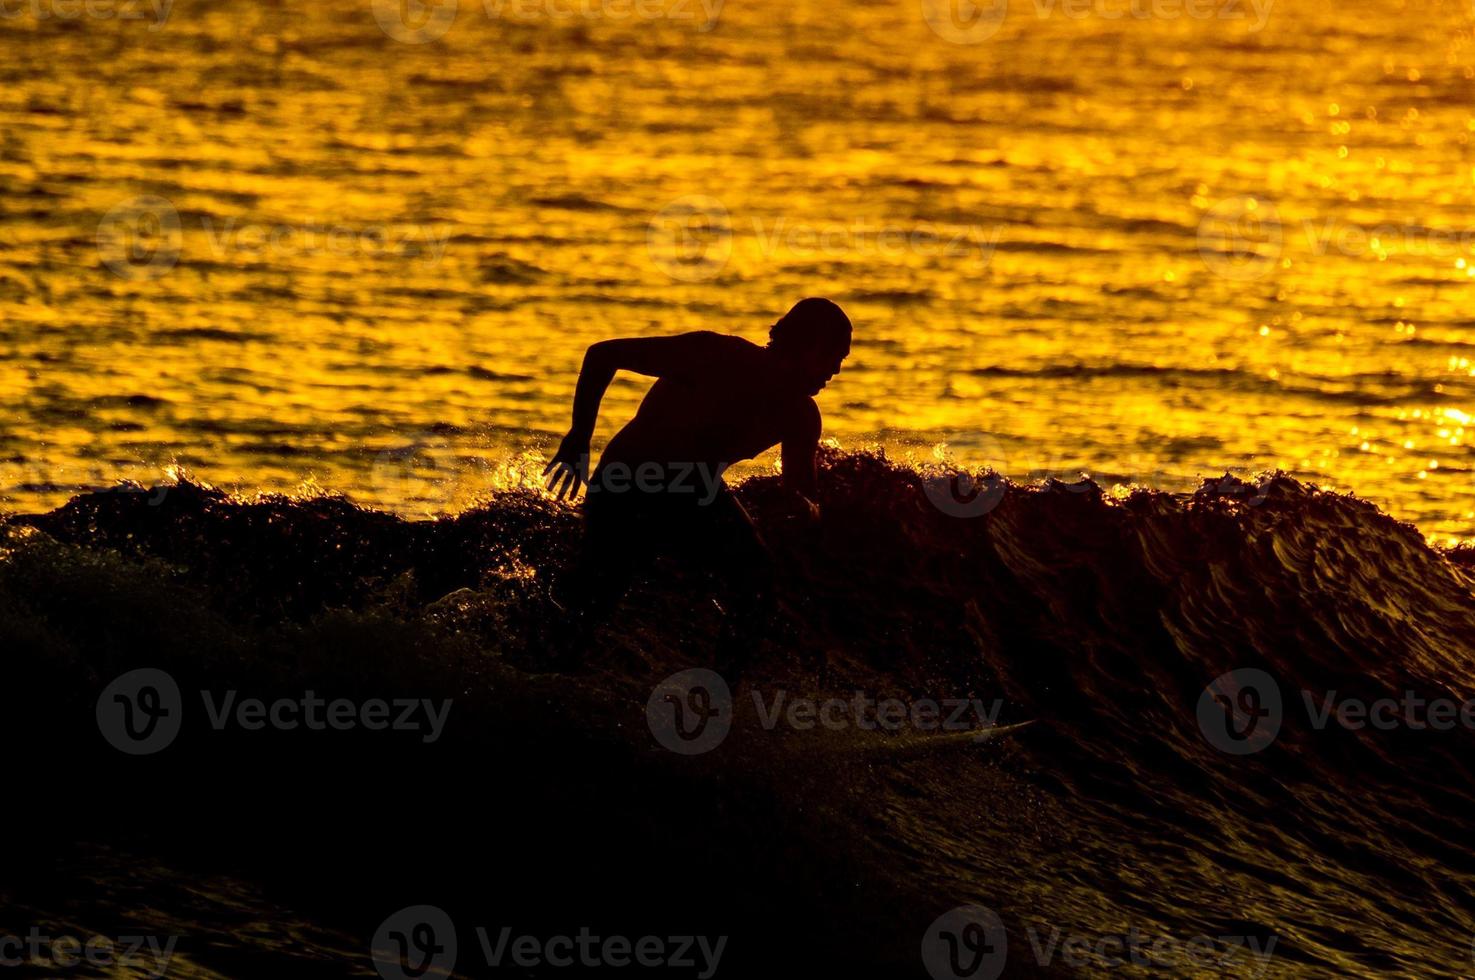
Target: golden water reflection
x,y
273,244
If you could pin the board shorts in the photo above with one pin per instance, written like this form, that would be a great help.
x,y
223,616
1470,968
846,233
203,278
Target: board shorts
x,y
627,531
706,541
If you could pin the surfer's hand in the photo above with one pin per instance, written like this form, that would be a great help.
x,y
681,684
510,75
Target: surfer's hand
x,y
810,510
799,511
569,467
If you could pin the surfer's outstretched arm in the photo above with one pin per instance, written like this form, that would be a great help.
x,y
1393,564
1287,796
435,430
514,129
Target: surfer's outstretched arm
x,y
800,448
657,357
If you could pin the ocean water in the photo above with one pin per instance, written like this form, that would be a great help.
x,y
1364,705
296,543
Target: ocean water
x,y
1125,809
362,246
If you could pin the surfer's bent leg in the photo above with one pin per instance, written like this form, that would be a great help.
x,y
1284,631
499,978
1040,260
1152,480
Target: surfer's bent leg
x,y
738,535
625,532
732,543
602,573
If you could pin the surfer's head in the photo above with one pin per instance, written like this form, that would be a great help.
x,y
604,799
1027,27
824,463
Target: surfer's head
x,y
814,338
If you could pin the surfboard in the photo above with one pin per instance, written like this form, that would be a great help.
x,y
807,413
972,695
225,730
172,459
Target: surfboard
x,y
917,744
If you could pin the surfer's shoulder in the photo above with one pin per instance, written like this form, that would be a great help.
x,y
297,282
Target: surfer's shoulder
x,y
713,344
809,411
724,341
803,419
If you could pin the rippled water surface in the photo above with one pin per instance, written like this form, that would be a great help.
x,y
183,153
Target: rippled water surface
x,y
272,243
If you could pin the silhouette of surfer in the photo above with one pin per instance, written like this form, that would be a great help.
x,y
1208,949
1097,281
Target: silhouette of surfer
x,y
658,489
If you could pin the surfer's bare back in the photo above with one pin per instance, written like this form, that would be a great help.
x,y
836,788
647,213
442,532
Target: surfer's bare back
x,y
718,399
658,489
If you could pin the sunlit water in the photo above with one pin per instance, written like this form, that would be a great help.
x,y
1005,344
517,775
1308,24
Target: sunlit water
x,y
1149,242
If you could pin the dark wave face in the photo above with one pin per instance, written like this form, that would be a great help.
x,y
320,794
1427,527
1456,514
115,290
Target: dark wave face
x,y
1193,665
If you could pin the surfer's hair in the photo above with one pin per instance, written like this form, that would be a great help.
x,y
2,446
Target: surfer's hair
x,y
811,323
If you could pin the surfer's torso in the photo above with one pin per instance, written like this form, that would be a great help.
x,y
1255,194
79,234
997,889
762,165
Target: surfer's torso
x,y
726,407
